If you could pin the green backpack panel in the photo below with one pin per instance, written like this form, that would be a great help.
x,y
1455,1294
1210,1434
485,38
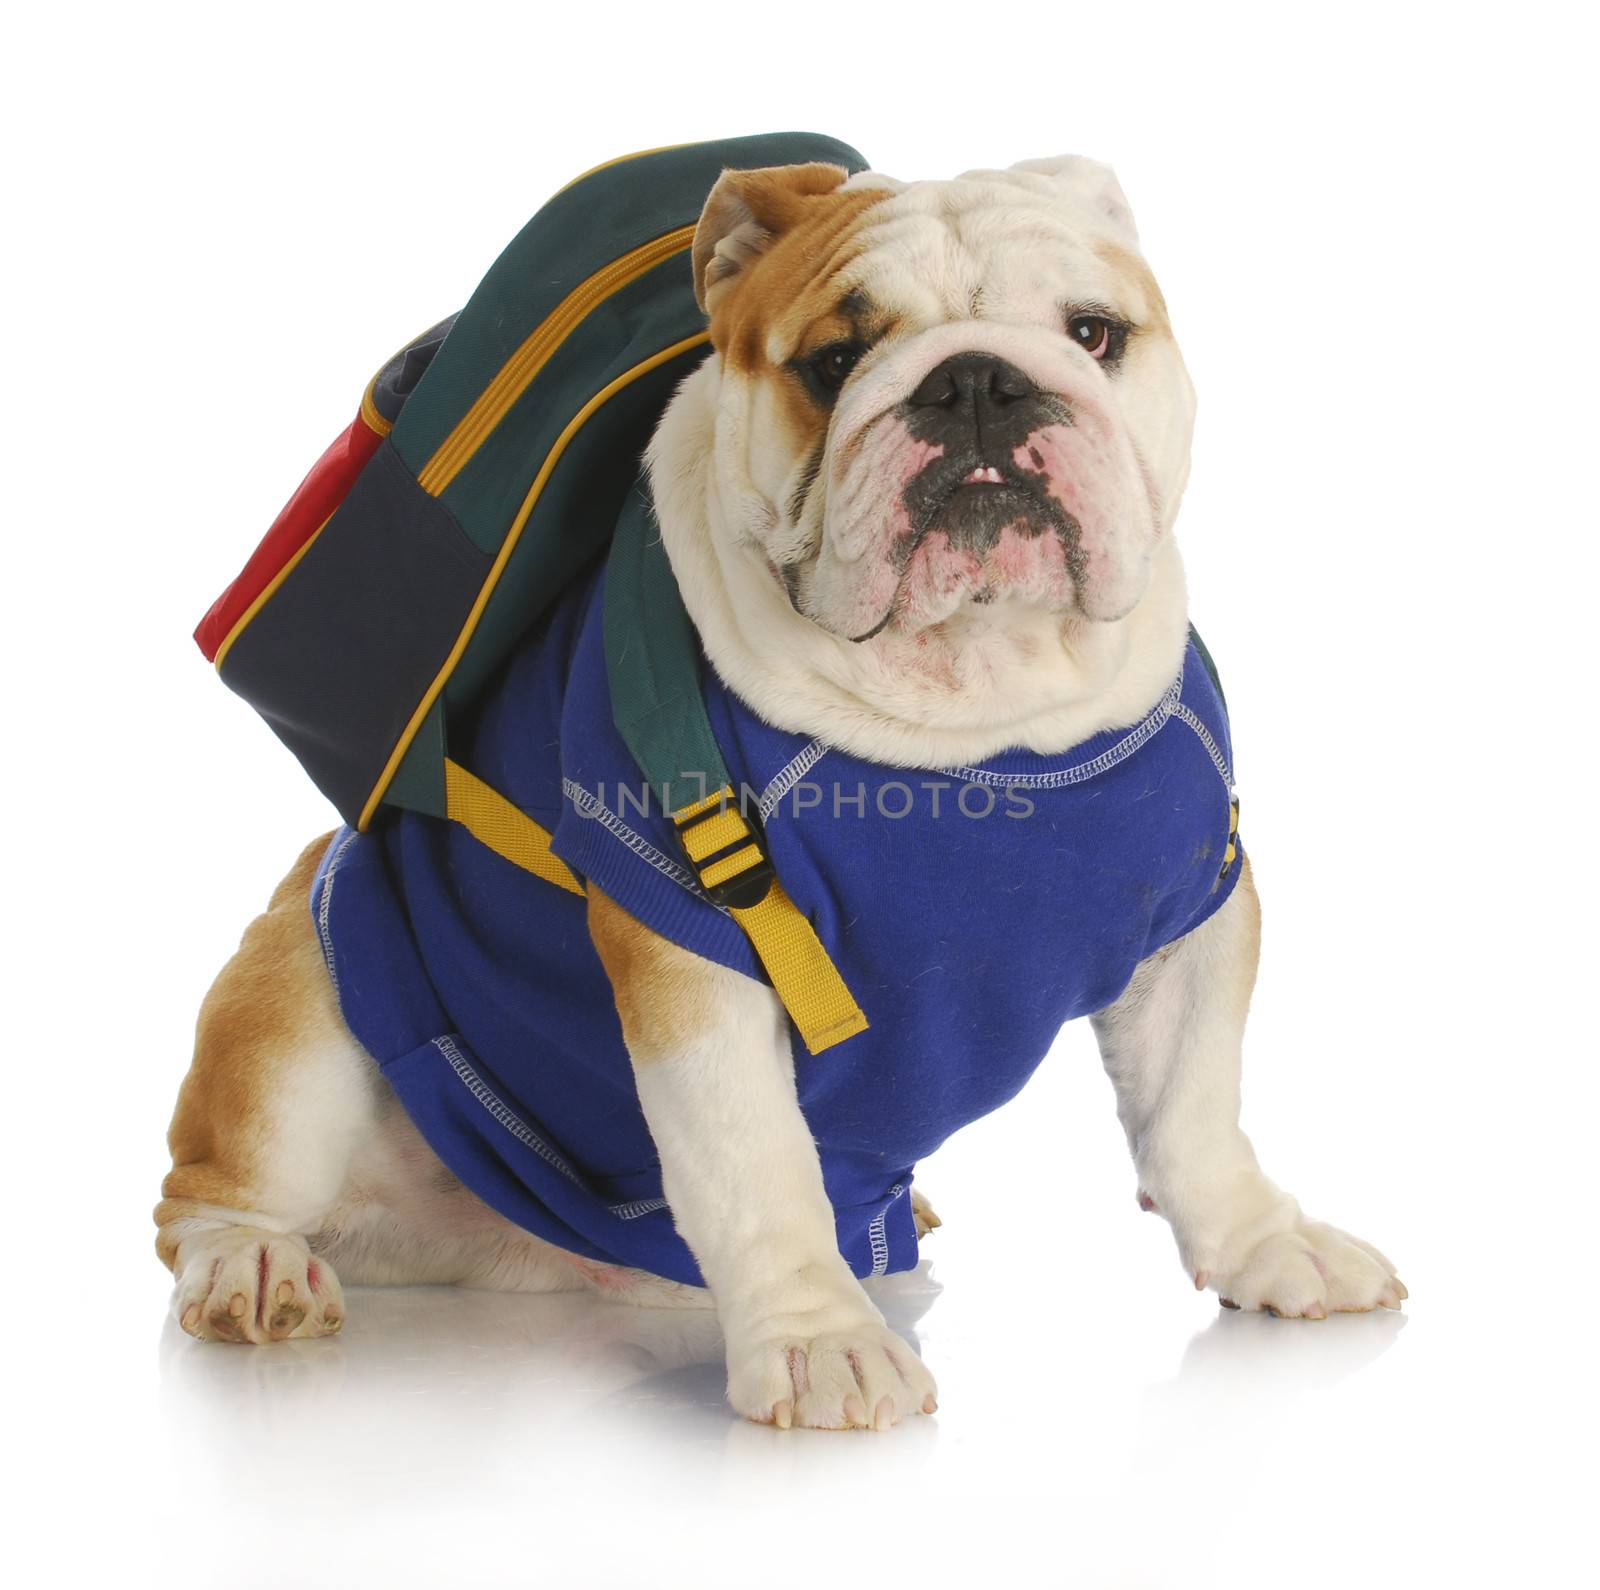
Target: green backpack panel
x,y
493,459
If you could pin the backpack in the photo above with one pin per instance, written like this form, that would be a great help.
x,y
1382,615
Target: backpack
x,y
493,459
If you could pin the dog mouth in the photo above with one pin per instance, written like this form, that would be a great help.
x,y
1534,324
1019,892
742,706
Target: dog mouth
x,y
974,510
969,528
971,500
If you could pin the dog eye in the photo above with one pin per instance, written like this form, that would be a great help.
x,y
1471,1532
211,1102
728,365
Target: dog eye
x,y
1099,337
832,365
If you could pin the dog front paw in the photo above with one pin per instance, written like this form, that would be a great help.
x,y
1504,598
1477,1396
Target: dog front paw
x,y
240,1285
1307,1272
860,1377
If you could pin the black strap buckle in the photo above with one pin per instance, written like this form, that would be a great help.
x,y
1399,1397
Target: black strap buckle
x,y
746,889
750,885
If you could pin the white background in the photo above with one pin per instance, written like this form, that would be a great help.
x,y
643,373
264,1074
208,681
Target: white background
x,y
1373,226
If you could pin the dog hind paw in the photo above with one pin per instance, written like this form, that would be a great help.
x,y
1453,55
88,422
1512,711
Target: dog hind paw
x,y
241,1285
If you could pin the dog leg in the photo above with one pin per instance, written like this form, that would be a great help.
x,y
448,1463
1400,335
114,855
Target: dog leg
x,y
1171,1045
290,1151
275,1102
710,1050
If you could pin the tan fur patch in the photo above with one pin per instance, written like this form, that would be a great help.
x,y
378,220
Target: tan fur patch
x,y
792,293
666,996
1130,269
794,281
272,1001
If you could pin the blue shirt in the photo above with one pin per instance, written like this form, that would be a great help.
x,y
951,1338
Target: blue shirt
x,y
972,913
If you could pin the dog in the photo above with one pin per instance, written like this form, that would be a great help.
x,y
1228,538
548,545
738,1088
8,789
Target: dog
x,y
919,499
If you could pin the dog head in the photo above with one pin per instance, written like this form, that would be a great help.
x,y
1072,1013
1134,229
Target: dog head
x,y
941,396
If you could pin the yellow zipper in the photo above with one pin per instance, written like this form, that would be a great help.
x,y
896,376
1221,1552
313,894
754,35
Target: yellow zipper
x,y
496,400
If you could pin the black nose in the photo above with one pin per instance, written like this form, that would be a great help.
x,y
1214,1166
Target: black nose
x,y
977,383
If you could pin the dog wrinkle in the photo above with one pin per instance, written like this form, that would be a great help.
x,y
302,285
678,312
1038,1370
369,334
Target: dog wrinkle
x,y
793,281
809,472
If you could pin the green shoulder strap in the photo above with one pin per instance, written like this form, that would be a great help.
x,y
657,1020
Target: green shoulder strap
x,y
1211,667
653,663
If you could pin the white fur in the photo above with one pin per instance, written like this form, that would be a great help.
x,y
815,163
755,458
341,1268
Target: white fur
x,y
1171,1046
805,1343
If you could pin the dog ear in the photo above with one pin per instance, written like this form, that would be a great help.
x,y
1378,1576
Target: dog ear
x,y
1094,185
745,211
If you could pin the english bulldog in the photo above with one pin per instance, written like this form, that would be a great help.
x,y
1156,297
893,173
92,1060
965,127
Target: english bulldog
x,y
919,499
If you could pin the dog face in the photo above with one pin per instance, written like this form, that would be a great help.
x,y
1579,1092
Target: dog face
x,y
942,396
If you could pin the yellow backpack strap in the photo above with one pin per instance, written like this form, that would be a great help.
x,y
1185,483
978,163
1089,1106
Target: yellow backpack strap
x,y
733,869
732,864
506,829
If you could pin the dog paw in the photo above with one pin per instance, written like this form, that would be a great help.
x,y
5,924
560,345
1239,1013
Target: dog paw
x,y
1308,1272
865,1377
922,1214
255,1286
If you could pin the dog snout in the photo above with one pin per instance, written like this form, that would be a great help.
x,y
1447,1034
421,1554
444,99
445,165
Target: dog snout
x,y
973,396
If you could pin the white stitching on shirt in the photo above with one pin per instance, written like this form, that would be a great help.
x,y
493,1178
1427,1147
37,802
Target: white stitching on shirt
x,y
638,1206
325,904
875,1231
590,807
1183,712
1120,752
500,1110
798,767
519,1129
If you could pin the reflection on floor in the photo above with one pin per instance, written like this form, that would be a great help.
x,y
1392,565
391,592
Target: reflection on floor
x,y
549,1357
475,1363
453,1382
450,1434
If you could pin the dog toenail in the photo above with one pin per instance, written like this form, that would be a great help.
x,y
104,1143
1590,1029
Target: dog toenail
x,y
930,1403
191,1317
237,1305
883,1414
1227,1302
285,1291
